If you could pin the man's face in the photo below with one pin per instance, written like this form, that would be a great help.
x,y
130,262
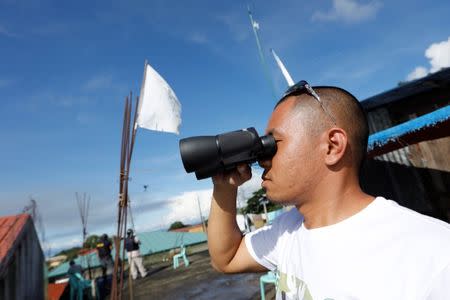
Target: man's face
x,y
294,170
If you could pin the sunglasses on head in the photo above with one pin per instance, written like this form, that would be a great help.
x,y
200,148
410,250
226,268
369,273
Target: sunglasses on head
x,y
303,87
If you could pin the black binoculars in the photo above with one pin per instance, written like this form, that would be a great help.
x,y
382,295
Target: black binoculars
x,y
209,155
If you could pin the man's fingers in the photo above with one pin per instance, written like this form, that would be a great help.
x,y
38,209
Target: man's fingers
x,y
234,177
217,178
241,174
245,172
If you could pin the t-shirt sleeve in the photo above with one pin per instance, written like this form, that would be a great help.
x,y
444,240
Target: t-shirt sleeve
x,y
265,243
262,245
440,288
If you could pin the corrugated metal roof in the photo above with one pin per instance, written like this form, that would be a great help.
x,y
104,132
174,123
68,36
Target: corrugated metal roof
x,y
433,82
430,126
11,228
151,242
84,261
158,241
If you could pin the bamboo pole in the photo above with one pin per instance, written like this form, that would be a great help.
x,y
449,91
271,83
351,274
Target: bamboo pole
x,y
128,140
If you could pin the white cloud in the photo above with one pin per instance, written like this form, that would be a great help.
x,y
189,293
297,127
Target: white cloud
x,y
198,38
438,55
185,207
349,11
149,213
417,73
62,243
248,188
67,101
101,81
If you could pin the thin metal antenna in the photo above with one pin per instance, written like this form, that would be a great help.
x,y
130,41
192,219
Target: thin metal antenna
x,y
255,28
201,216
83,202
83,209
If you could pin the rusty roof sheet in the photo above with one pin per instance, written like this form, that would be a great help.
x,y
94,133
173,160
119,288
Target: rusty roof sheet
x,y
56,290
11,228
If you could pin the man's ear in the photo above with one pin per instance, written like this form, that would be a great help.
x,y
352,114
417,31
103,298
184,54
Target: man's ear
x,y
337,142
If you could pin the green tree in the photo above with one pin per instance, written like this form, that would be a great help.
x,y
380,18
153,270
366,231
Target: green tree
x,y
255,206
176,225
91,241
71,253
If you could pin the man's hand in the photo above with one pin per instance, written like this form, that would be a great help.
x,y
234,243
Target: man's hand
x,y
233,178
226,244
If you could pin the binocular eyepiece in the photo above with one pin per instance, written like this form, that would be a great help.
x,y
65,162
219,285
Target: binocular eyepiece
x,y
209,155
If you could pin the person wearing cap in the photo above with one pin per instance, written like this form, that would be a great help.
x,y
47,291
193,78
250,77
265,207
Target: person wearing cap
x,y
338,242
74,268
134,255
104,248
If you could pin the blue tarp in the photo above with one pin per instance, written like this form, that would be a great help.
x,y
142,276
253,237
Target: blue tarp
x,y
397,133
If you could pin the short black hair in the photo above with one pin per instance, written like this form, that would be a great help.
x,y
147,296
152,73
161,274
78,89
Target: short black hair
x,y
349,115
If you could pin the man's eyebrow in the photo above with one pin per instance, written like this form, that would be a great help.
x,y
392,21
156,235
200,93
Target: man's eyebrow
x,y
273,131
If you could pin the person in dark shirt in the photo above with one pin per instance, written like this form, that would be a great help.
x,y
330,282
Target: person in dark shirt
x,y
74,268
134,255
104,247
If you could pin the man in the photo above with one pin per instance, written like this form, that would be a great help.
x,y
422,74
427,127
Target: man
x,y
74,268
104,247
339,242
134,255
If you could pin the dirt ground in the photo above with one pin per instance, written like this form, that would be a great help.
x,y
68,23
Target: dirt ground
x,y
197,281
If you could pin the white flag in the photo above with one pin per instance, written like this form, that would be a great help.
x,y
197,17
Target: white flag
x,y
283,69
159,108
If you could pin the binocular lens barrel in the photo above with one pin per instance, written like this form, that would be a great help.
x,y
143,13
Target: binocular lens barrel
x,y
209,155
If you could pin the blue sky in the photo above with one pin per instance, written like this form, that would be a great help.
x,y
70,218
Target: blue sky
x,y
65,69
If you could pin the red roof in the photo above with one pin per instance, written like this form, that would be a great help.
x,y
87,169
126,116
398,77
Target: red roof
x,y
55,290
11,228
85,251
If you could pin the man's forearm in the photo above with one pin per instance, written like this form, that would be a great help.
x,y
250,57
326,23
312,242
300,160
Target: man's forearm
x,y
224,236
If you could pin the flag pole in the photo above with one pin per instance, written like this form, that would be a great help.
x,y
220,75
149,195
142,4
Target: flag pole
x,y
123,177
125,193
125,162
125,166
283,69
129,131
128,163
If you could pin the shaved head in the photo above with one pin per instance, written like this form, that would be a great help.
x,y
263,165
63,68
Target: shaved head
x,y
344,108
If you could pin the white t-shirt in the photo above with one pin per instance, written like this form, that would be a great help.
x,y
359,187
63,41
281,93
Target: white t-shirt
x,y
385,251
